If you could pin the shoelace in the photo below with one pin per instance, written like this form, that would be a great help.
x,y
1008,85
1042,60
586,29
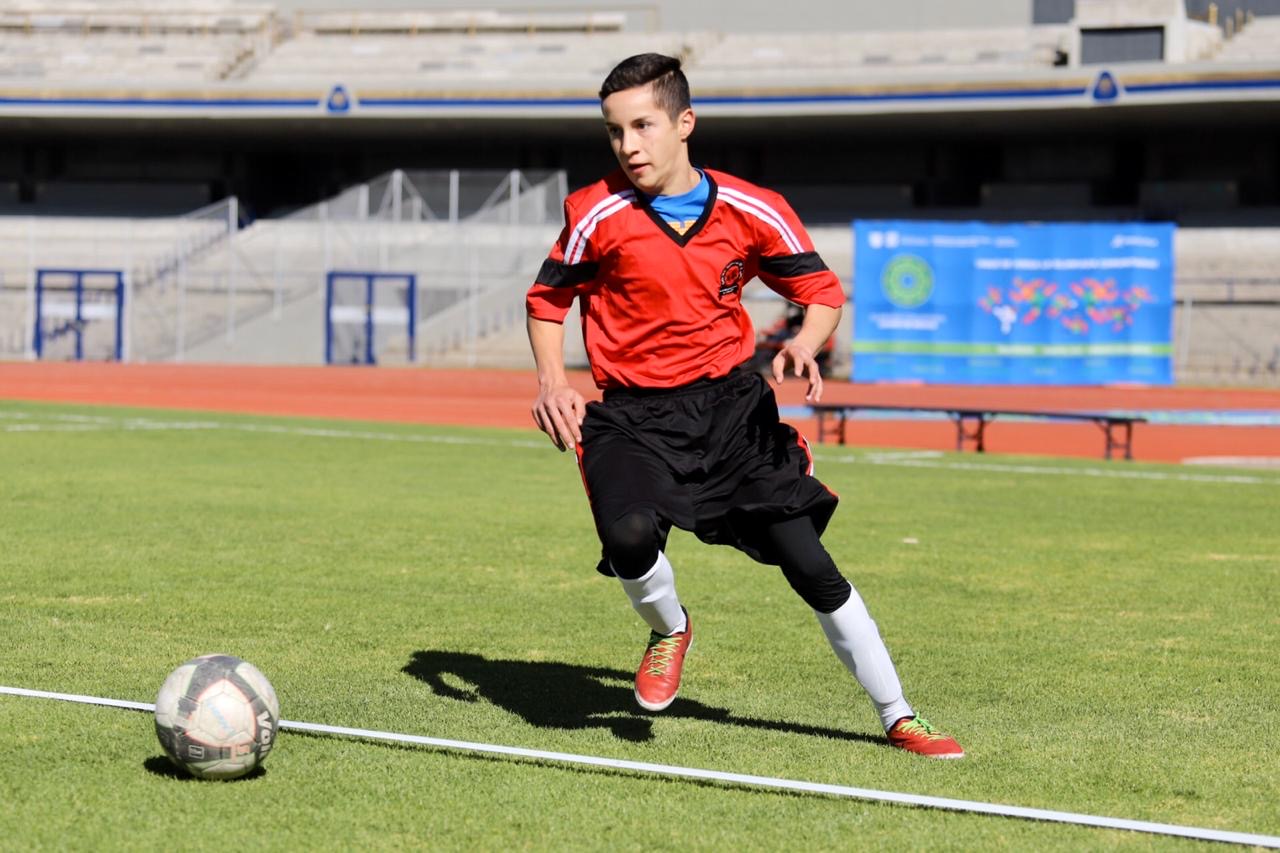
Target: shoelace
x,y
920,726
661,651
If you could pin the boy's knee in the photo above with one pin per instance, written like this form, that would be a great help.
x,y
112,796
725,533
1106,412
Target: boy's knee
x,y
806,564
822,586
814,575
632,543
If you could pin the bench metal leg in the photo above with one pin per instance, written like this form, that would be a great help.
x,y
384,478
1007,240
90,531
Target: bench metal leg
x,y
1113,442
981,433
841,418
978,435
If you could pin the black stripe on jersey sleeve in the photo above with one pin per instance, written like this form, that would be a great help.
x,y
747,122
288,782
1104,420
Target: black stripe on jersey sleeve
x,y
791,266
558,274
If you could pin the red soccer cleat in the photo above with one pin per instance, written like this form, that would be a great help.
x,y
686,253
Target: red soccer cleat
x,y
914,734
658,678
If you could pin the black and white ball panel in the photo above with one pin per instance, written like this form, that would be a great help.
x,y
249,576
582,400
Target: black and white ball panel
x,y
217,716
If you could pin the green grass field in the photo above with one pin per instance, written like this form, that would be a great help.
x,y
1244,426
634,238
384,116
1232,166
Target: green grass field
x,y
1102,638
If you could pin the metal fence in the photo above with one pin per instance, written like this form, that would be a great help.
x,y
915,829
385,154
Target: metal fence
x,y
464,235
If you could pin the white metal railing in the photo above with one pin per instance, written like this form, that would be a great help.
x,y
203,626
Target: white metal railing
x,y
462,233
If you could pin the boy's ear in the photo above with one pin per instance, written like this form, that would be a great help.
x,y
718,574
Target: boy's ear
x,y
685,122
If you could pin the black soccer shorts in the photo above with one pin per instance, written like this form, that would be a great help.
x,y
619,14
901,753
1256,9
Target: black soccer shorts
x,y
711,457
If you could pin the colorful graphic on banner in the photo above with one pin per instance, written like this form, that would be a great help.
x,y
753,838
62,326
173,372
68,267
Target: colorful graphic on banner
x,y
1051,304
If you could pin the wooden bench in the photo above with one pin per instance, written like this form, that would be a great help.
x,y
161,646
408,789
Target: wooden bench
x,y
971,422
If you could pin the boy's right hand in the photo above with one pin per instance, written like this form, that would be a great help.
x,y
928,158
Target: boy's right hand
x,y
558,411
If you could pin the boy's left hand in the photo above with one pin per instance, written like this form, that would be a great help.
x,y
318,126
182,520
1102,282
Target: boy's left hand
x,y
804,363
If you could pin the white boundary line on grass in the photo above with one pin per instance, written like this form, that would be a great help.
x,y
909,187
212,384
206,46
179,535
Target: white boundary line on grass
x,y
86,423
902,459
1049,470
946,803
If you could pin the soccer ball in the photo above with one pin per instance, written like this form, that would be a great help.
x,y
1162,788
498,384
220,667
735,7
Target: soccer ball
x,y
216,717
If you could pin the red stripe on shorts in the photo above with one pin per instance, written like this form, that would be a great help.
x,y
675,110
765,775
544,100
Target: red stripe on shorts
x,y
582,472
804,445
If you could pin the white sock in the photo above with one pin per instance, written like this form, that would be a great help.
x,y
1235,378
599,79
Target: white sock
x,y
855,639
653,596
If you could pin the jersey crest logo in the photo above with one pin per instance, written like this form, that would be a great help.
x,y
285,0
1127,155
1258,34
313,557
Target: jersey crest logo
x,y
731,278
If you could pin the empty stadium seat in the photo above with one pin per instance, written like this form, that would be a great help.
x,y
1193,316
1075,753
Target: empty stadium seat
x,y
62,41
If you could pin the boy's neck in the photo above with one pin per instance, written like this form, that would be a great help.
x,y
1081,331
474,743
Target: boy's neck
x,y
685,180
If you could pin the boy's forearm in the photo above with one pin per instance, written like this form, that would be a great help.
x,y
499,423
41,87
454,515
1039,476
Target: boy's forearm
x,y
820,322
547,341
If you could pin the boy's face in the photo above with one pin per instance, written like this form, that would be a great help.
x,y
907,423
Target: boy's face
x,y
650,146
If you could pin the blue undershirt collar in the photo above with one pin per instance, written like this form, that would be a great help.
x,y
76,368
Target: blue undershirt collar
x,y
681,211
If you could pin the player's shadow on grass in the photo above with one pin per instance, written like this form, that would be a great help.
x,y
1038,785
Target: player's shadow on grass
x,y
561,696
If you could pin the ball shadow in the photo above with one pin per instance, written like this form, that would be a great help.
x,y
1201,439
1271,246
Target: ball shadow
x,y
161,765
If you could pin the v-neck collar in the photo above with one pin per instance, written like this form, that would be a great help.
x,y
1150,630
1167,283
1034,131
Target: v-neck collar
x,y
682,240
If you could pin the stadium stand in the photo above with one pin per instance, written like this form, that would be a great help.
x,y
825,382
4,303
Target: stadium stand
x,y
781,57
425,57
67,42
431,59
1257,41
458,21
471,49
66,57
467,49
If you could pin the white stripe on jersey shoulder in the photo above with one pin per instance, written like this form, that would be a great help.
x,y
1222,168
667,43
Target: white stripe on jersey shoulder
x,y
589,227
603,209
761,210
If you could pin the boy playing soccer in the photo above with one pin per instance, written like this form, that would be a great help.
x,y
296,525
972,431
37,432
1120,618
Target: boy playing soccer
x,y
657,253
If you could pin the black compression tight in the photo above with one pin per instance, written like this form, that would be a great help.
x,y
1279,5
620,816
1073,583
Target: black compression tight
x,y
806,564
633,541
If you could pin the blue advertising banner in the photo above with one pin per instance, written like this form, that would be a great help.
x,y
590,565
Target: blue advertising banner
x,y
1043,304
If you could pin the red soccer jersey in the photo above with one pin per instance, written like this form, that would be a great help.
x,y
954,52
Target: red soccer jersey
x,y
659,308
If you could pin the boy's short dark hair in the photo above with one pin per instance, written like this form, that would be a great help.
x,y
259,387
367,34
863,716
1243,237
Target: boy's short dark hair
x,y
670,86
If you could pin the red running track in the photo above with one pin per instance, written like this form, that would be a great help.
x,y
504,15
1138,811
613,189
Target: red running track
x,y
502,398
